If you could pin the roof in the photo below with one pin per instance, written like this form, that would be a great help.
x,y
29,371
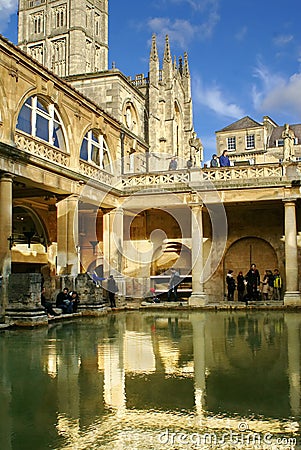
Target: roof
x,y
277,134
241,124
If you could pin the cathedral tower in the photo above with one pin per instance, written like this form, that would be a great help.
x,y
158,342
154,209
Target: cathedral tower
x,y
69,37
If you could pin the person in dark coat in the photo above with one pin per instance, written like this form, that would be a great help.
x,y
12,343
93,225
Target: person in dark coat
x,y
47,305
224,160
73,297
240,286
231,285
253,282
112,289
174,281
63,302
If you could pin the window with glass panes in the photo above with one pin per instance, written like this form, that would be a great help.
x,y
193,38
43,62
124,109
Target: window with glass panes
x,y
250,141
94,149
42,120
231,143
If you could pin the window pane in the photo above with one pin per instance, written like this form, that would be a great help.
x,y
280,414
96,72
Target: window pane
x,y
84,150
42,128
95,155
94,137
24,119
58,137
41,107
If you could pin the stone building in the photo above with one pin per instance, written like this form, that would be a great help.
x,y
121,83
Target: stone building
x,y
85,188
249,141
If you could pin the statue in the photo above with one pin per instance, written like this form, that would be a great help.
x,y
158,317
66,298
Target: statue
x,y
288,137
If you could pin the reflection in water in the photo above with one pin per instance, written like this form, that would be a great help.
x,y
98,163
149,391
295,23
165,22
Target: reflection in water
x,y
128,381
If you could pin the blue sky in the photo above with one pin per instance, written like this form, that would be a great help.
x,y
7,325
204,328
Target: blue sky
x,y
244,56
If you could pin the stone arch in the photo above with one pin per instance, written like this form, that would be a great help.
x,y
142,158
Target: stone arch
x,y
130,116
247,250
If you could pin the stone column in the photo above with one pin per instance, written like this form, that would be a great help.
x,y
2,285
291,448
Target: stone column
x,y
67,237
113,246
198,296
292,293
6,208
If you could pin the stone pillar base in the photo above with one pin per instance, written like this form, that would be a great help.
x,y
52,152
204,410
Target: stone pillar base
x,y
292,298
25,318
198,299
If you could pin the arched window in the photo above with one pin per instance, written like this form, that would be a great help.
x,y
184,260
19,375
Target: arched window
x,y
42,121
94,149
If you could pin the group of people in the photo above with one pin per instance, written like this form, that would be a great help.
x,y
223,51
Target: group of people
x,y
66,300
222,161
250,287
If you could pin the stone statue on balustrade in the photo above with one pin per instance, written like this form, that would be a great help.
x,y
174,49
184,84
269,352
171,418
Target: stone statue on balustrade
x,y
288,137
197,148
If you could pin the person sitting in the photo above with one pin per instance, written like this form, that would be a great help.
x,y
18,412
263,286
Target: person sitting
x,y
47,305
63,302
73,297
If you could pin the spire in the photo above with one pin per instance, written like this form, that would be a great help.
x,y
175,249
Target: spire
x,y
175,63
186,67
154,63
167,55
154,50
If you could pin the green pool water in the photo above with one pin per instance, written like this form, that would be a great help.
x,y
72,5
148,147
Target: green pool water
x,y
153,380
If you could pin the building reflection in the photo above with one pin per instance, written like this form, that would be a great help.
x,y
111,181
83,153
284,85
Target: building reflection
x,y
138,370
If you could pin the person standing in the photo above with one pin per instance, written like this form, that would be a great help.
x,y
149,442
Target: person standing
x,y
231,285
224,160
174,281
277,285
253,282
173,164
112,289
214,161
240,286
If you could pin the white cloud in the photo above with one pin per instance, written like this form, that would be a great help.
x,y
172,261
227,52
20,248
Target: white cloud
x,y
240,35
213,98
283,39
7,8
276,94
182,31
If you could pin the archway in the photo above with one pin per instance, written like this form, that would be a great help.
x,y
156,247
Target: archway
x,y
243,252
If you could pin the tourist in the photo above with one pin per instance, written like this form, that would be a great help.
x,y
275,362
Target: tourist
x,y
271,284
73,297
112,289
224,160
265,286
240,286
277,285
173,164
47,305
63,302
174,281
214,161
231,285
253,283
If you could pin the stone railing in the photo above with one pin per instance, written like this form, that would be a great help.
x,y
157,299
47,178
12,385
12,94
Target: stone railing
x,y
155,179
41,149
247,174
243,172
95,173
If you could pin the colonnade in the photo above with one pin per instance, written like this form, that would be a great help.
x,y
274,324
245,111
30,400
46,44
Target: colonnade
x,y
113,223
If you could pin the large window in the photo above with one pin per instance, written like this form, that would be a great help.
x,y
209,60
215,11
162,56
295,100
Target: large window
x,y
41,120
250,141
231,143
95,150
